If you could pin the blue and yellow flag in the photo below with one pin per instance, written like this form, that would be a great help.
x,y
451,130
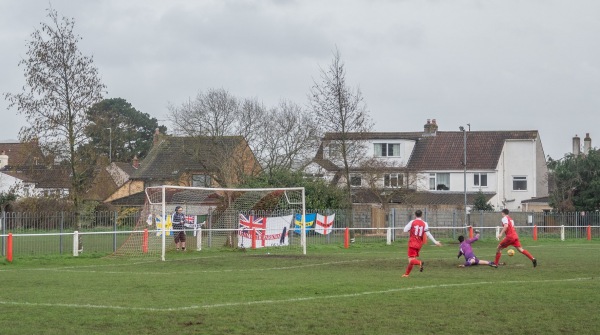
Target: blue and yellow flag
x,y
168,227
309,220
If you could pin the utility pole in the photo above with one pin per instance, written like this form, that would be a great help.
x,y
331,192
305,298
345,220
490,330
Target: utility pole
x,y
109,145
465,166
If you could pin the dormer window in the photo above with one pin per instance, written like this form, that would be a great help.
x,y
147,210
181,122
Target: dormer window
x,y
387,149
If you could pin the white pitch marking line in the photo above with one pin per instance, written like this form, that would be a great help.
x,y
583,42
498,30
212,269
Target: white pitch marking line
x,y
258,302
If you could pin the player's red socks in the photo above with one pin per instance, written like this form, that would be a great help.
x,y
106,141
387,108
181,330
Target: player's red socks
x,y
498,254
526,253
411,264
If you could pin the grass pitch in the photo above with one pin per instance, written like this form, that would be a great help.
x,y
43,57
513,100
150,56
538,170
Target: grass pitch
x,y
331,290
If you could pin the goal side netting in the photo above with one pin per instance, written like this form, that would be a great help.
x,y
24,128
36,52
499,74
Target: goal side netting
x,y
218,217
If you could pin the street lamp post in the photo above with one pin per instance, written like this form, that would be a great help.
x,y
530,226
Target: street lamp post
x,y
465,166
109,145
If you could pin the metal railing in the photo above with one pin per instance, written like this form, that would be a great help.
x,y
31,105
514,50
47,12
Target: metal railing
x,y
109,232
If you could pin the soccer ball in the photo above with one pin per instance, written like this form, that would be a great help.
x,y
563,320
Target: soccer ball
x,y
510,252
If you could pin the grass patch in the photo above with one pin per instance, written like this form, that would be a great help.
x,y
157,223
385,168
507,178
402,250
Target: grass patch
x,y
330,290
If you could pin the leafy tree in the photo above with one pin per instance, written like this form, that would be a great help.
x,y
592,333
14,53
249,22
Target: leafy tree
x,y
319,194
61,84
6,198
576,182
481,204
116,125
341,110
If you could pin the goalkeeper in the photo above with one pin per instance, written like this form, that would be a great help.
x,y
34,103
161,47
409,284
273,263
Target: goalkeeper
x,y
178,220
465,249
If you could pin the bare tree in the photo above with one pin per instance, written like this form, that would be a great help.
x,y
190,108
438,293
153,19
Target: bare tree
x,y
283,137
289,138
212,113
341,110
61,84
386,183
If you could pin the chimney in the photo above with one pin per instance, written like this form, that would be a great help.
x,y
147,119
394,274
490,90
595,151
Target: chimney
x,y
587,143
136,162
434,126
576,145
430,128
3,159
155,137
427,127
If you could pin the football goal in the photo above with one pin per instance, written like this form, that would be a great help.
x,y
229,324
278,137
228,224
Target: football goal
x,y
234,217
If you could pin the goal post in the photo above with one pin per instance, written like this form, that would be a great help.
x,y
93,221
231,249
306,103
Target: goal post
x,y
238,217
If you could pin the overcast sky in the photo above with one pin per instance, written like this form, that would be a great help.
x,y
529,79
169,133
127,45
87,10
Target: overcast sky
x,y
493,64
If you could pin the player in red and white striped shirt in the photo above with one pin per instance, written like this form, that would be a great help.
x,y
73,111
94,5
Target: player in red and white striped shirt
x,y
417,228
511,238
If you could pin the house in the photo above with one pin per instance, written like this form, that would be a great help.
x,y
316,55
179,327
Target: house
x,y
110,178
25,171
200,161
506,166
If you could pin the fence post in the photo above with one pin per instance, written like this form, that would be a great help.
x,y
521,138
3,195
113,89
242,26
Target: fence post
x,y
347,238
497,233
470,231
116,217
535,232
62,227
76,243
389,236
198,233
589,232
144,241
3,229
562,232
9,247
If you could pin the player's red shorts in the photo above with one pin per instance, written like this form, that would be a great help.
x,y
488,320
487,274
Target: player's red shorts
x,y
506,242
413,252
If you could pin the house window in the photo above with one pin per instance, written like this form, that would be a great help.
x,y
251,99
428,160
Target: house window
x,y
392,180
355,180
519,183
201,180
480,179
334,150
439,181
387,149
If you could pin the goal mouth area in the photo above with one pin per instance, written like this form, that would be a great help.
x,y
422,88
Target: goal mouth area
x,y
269,210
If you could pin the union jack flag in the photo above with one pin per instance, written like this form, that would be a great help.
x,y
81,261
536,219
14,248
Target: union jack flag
x,y
253,222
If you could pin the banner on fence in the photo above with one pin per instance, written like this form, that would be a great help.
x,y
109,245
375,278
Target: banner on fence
x,y
309,220
324,224
268,231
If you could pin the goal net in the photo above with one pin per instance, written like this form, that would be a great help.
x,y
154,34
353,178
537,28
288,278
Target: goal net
x,y
217,217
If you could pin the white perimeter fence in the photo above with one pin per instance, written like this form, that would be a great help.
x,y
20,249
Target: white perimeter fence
x,y
111,233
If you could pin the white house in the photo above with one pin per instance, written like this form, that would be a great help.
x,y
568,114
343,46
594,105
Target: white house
x,y
507,166
24,172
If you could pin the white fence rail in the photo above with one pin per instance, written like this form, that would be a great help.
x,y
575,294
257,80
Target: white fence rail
x,y
140,242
